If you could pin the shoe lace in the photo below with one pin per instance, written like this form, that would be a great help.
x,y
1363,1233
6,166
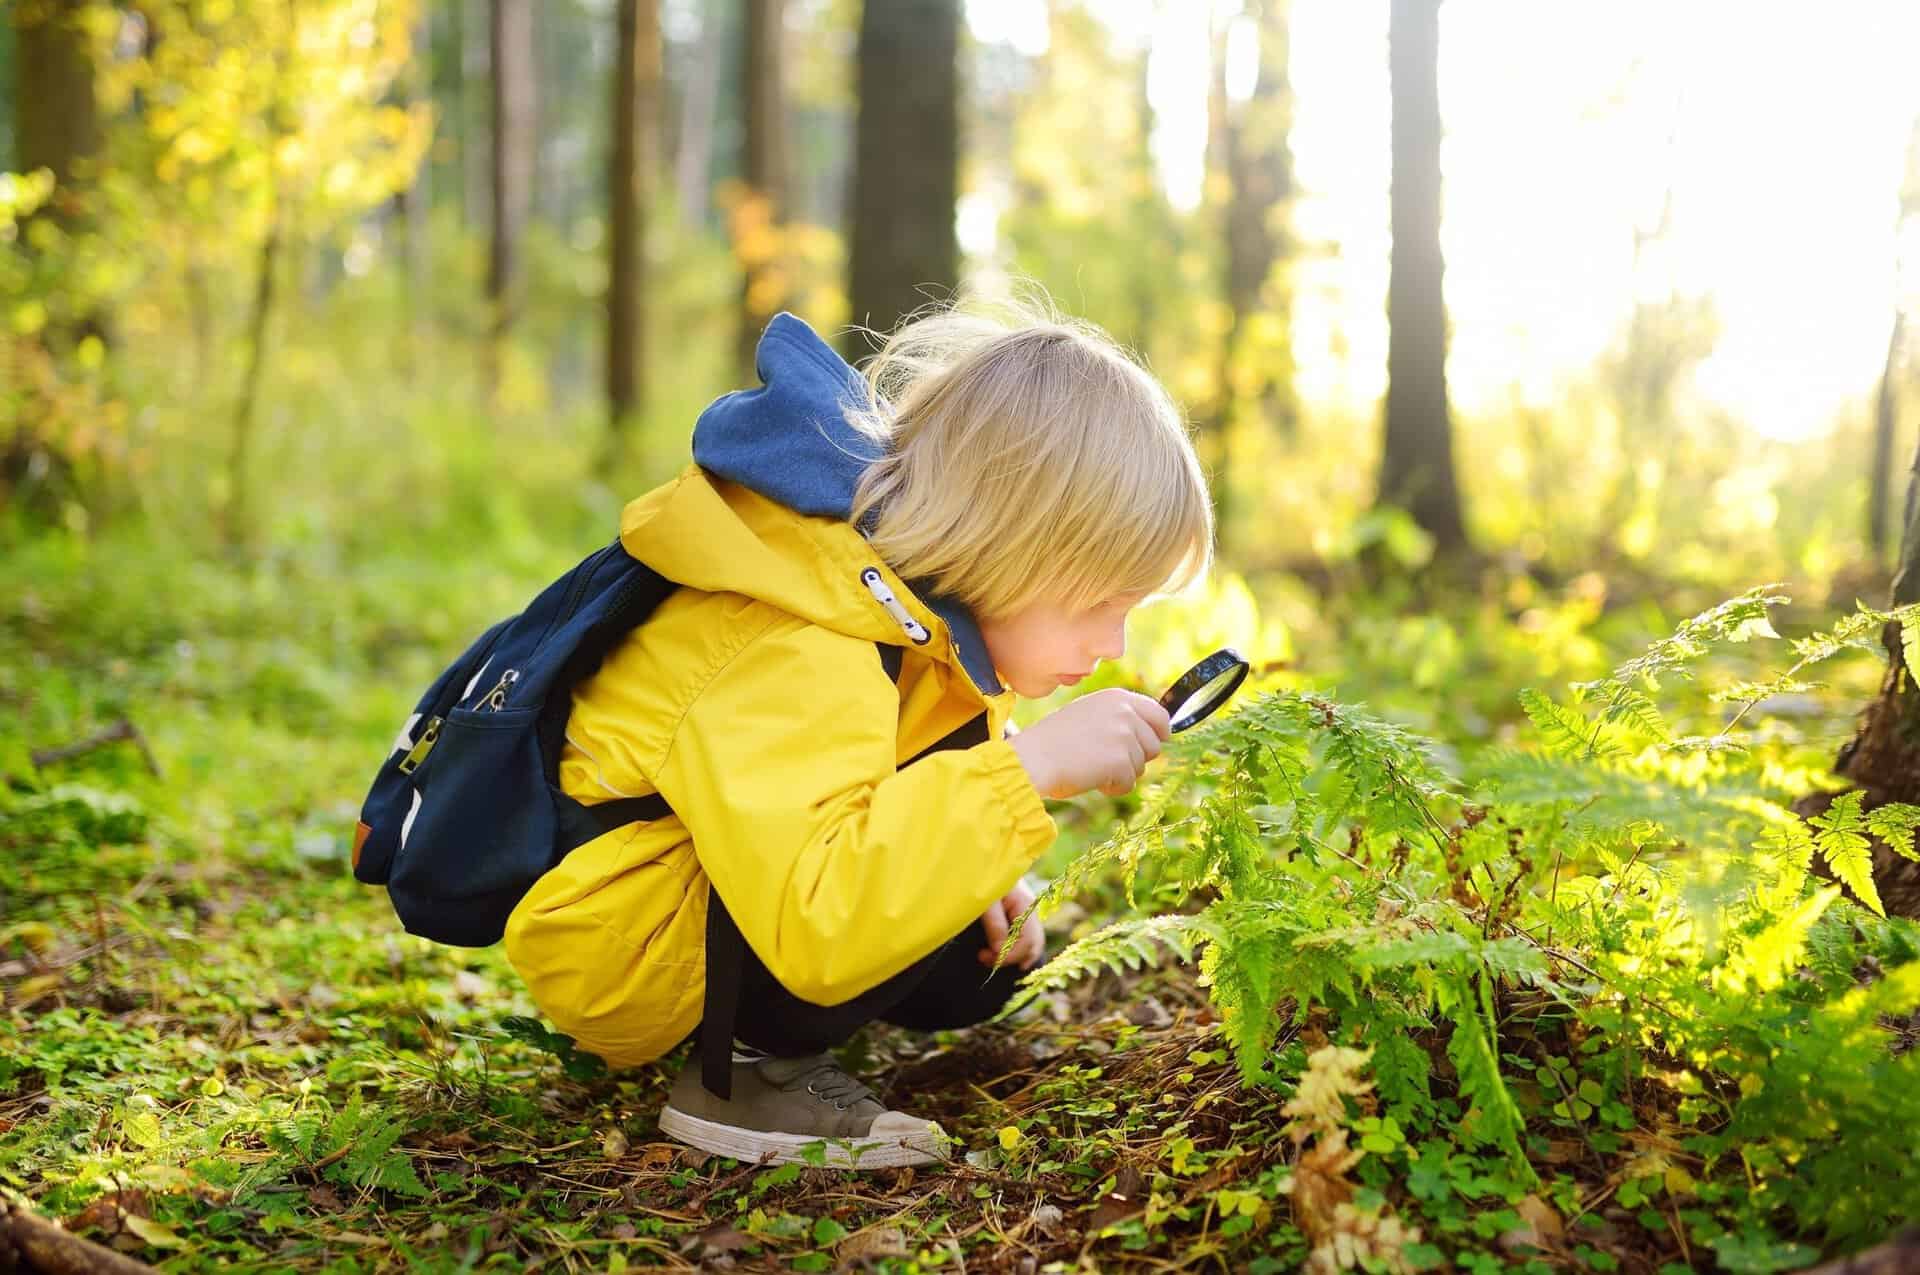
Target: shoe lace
x,y
828,1082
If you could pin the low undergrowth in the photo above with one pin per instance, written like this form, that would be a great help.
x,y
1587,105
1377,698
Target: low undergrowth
x,y
1582,1002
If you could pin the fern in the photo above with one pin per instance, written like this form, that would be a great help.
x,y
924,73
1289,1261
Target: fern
x,y
1842,842
1565,732
1895,823
1130,944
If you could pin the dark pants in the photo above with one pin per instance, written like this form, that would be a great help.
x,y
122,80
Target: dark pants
x,y
947,988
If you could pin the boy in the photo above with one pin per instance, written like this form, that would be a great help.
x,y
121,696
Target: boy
x,y
870,569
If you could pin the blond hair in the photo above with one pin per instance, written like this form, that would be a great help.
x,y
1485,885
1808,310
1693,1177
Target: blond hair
x,y
1026,457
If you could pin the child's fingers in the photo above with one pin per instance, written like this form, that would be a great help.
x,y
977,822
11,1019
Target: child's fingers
x,y
1032,945
994,919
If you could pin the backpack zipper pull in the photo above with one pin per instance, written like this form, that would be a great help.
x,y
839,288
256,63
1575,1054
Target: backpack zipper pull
x,y
418,753
496,699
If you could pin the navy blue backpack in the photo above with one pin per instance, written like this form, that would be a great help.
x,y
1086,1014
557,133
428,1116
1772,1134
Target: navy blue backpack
x,y
466,811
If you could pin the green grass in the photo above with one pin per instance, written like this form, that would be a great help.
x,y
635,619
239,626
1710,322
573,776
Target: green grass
x,y
218,1051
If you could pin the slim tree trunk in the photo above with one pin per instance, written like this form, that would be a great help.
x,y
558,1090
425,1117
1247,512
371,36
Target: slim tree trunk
x,y
1416,467
1251,139
636,97
693,147
511,45
416,205
57,119
906,164
763,206
1880,473
236,522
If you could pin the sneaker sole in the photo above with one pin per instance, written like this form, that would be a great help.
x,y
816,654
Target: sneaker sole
x,y
752,1147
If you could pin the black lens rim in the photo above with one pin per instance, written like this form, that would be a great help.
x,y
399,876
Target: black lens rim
x,y
1189,683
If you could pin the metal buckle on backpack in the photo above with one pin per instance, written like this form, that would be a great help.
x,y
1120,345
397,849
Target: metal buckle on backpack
x,y
418,753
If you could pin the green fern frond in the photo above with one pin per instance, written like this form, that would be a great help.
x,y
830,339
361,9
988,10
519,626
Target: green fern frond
x,y
1843,843
1631,707
1494,1118
1133,943
1894,823
1735,620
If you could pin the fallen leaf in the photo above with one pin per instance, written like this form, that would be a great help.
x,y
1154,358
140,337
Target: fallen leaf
x,y
613,1144
158,1234
871,1245
1540,1226
1046,1218
720,1238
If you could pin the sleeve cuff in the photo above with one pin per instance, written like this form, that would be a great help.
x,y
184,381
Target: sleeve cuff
x,y
1033,827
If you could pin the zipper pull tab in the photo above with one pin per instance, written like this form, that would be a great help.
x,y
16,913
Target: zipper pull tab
x,y
496,699
418,753
877,586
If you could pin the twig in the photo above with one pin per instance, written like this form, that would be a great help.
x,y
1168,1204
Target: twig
x,y
120,730
32,1243
730,1181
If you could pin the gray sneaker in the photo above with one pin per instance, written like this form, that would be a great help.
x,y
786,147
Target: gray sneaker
x,y
780,1105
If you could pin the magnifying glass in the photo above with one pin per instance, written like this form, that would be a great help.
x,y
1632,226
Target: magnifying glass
x,y
1202,689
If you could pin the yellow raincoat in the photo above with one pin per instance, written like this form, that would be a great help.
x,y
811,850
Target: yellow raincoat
x,y
754,701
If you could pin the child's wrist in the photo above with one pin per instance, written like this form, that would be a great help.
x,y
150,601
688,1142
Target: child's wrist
x,y
1040,771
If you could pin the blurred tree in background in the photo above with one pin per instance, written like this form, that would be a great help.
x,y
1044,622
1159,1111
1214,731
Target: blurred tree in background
x,y
907,166
331,252
1416,468
636,96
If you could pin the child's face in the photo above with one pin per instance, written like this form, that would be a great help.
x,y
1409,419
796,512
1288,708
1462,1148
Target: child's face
x,y
1047,645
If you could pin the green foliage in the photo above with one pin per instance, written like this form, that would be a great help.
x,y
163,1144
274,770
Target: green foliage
x,y
1615,900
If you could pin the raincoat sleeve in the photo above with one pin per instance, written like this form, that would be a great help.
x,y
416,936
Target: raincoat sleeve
x,y
839,870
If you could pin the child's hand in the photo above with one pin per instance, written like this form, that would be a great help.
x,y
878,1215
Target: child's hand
x,y
998,919
1103,740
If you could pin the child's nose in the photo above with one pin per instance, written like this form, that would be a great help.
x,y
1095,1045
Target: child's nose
x,y
1111,643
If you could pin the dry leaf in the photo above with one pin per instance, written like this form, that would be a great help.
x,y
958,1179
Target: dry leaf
x,y
870,1245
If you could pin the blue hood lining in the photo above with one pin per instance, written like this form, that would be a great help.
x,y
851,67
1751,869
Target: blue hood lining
x,y
790,441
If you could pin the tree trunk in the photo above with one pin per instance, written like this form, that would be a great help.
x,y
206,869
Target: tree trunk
x,y
1253,145
55,113
416,207
636,97
906,163
1883,757
762,208
1880,473
1416,467
511,46
57,122
693,147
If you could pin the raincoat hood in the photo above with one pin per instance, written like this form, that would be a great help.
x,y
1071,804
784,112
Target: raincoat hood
x,y
765,510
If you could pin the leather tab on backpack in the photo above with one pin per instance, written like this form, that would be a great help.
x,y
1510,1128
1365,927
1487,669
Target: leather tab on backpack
x,y
361,831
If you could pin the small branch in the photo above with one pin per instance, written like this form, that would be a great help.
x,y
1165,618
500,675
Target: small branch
x,y
37,1246
120,730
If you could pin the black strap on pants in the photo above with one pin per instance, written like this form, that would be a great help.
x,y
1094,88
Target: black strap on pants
x,y
726,955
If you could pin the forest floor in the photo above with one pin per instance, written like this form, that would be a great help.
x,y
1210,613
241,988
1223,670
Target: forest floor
x,y
218,1051
243,1067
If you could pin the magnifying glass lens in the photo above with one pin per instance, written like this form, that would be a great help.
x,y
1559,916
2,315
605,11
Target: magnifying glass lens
x,y
1209,697
1204,688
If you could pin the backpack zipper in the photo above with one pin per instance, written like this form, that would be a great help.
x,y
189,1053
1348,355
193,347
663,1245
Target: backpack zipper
x,y
418,753
496,699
